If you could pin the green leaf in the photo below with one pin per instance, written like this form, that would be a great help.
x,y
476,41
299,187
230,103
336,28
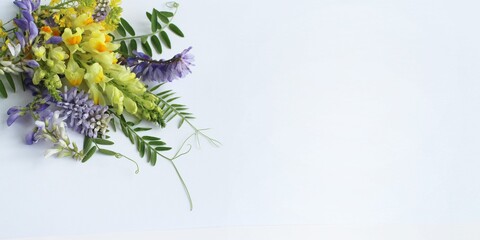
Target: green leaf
x,y
147,49
156,87
121,31
133,46
157,143
165,39
156,44
103,141
150,138
140,129
153,158
10,81
163,18
180,123
142,150
123,48
163,148
89,154
176,30
149,16
127,26
107,152
3,92
114,126
154,21
166,14
130,136
87,143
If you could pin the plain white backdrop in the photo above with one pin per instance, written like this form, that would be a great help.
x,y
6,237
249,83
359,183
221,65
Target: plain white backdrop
x,y
331,113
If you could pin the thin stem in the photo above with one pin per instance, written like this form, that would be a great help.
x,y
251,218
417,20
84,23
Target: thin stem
x,y
124,124
59,6
184,185
138,168
119,155
197,132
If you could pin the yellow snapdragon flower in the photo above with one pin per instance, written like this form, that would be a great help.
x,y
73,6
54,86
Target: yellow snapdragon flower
x,y
99,43
95,74
74,73
54,2
72,40
115,97
39,52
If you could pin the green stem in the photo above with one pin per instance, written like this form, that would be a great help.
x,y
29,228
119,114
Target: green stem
x,y
124,124
59,6
119,155
197,131
184,185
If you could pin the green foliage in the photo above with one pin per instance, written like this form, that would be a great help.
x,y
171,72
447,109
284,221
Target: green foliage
x,y
147,146
170,108
160,22
127,26
176,30
3,91
88,142
11,84
89,154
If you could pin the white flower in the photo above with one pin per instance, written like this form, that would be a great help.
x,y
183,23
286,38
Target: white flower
x,y
51,152
6,63
14,49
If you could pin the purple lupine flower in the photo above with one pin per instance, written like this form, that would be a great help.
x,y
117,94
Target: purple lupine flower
x,y
25,22
32,63
29,5
31,137
14,113
82,115
162,70
28,82
33,31
54,40
21,39
21,23
36,133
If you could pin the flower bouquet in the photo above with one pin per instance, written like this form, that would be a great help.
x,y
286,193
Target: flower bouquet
x,y
83,65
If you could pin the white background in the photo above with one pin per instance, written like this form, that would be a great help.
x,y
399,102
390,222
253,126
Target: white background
x,y
331,113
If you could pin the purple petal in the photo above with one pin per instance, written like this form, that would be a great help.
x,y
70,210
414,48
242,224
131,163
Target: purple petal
x,y
32,63
20,5
11,119
21,39
35,4
21,23
141,55
27,15
30,138
13,110
54,40
33,32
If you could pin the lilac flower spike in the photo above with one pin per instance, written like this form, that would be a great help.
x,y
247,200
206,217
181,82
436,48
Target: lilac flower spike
x,y
82,114
101,10
162,70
